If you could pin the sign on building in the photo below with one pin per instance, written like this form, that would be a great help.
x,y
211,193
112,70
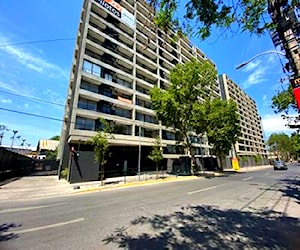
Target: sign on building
x,y
117,10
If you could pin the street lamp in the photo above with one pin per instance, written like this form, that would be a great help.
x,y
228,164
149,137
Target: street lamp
x,y
258,55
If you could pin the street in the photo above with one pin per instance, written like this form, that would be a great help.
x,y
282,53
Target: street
x,y
253,210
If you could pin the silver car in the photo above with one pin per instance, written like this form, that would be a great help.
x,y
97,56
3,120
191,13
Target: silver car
x,y
279,165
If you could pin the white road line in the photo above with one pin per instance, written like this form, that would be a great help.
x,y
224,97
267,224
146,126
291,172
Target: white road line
x,y
43,227
267,173
205,189
21,209
248,178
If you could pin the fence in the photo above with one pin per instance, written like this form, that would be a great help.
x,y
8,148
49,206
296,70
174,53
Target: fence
x,y
13,164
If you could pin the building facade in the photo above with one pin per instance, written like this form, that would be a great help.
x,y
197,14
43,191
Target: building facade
x,y
119,56
250,148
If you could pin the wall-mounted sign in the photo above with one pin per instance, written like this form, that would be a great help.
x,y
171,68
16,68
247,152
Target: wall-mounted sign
x,y
296,90
117,10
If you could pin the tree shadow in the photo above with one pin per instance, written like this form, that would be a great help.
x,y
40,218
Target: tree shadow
x,y
291,189
5,233
207,227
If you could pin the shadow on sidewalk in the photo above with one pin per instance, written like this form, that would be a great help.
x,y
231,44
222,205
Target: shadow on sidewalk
x,y
291,188
207,227
5,235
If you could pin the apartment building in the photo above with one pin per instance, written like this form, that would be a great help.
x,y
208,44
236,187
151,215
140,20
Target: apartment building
x,y
119,56
251,145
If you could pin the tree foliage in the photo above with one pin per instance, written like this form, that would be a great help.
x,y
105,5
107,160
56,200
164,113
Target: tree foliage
x,y
101,146
177,106
188,108
56,138
222,125
284,101
280,144
156,154
201,16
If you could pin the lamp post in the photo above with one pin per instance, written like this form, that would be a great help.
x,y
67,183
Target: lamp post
x,y
258,55
139,158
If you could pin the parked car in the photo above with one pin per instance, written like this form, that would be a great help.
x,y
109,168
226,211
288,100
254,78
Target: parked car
x,y
279,165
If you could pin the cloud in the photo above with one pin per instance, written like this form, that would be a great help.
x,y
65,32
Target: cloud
x,y
5,101
257,75
264,97
274,124
251,66
30,60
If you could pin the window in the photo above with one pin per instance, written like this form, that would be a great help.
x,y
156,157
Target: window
x,y
123,113
86,104
89,86
91,68
122,129
108,77
84,123
146,118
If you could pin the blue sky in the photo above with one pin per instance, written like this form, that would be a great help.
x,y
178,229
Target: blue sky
x,y
41,70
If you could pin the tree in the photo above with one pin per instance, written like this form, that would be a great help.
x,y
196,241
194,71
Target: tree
x,y
56,138
156,154
51,155
201,16
101,146
177,107
284,101
222,125
280,144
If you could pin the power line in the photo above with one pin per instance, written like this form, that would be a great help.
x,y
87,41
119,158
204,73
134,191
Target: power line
x,y
33,98
31,114
38,41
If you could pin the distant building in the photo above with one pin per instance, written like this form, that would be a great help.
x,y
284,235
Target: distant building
x,y
46,145
251,144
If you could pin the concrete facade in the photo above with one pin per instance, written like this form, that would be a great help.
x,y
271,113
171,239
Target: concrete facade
x,y
251,145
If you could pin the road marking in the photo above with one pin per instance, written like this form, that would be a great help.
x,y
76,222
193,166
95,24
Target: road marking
x,y
267,173
21,209
248,178
205,189
43,227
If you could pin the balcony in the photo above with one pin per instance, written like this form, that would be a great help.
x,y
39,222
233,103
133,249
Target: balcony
x,y
142,75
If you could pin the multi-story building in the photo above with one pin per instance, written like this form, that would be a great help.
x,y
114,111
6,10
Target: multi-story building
x,y
119,56
251,145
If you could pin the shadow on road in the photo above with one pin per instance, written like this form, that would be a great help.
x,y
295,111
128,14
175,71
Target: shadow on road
x,y
5,235
206,227
291,189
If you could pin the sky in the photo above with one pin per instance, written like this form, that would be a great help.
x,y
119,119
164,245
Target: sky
x,y
34,76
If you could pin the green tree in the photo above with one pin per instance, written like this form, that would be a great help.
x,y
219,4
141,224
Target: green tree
x,y
257,159
156,154
51,155
280,144
101,146
222,126
295,140
56,138
199,17
177,107
284,101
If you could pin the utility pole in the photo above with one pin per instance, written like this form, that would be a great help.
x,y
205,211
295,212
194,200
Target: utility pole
x,y
287,29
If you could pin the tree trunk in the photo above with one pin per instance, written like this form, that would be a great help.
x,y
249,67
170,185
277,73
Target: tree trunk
x,y
101,167
156,170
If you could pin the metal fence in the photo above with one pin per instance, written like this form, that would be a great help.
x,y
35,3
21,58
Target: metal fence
x,y
13,164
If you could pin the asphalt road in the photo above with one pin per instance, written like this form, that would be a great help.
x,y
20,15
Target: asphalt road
x,y
254,210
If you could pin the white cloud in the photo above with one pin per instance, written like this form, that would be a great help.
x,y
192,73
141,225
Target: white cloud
x,y
5,101
30,60
274,124
257,76
264,97
252,65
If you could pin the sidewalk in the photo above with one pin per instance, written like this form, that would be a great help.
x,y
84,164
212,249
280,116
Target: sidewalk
x,y
36,187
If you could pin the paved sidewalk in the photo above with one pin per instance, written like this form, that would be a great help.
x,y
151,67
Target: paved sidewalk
x,y
37,187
